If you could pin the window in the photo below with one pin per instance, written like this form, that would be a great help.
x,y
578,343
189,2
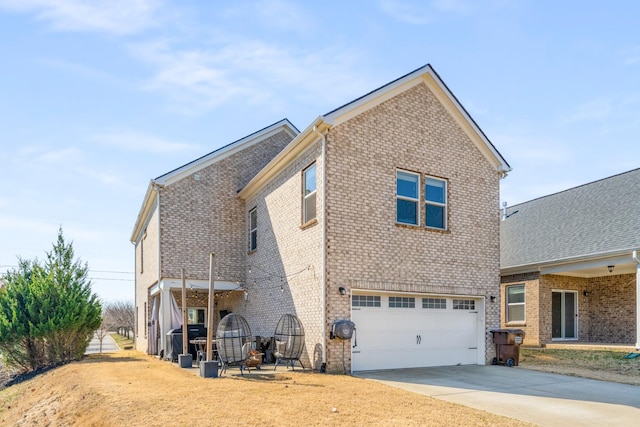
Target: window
x,y
195,315
464,304
365,301
407,198
402,302
515,303
439,303
253,229
435,196
309,194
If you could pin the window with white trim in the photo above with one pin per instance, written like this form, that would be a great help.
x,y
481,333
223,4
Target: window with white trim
x,y
253,229
435,196
464,304
309,194
407,197
515,303
365,301
435,303
402,302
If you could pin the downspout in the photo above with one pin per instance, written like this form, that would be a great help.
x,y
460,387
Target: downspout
x,y
635,258
161,331
323,295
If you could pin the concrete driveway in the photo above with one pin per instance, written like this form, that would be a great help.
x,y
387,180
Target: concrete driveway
x,y
536,397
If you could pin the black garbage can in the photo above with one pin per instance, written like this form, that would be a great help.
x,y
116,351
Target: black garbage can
x,y
507,343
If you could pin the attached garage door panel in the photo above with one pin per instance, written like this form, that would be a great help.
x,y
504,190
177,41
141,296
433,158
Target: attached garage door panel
x,y
397,337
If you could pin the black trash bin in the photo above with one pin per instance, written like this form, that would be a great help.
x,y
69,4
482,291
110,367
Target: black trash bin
x,y
507,343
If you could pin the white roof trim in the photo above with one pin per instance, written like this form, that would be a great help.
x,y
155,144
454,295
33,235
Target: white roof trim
x,y
226,151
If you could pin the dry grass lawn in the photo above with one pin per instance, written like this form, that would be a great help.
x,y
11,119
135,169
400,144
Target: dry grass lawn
x,y
130,388
599,365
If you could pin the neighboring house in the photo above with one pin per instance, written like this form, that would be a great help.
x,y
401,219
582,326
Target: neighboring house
x,y
384,211
569,264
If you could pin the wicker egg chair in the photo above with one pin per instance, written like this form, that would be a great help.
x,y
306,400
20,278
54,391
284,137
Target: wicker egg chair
x,y
289,341
233,341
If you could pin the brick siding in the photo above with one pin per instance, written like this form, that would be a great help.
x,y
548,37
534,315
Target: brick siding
x,y
367,250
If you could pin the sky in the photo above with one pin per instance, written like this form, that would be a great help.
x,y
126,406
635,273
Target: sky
x,y
98,97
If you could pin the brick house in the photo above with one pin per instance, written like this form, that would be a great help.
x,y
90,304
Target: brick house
x,y
569,264
384,211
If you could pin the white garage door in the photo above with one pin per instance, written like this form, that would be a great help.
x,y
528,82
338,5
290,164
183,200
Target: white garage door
x,y
407,331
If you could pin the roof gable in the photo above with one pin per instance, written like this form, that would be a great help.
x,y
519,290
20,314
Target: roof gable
x,y
593,220
423,75
200,163
428,76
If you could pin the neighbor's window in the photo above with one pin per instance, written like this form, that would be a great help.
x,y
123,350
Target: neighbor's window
x,y
253,229
515,303
435,196
407,198
309,194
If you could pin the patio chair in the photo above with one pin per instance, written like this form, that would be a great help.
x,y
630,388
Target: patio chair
x,y
289,341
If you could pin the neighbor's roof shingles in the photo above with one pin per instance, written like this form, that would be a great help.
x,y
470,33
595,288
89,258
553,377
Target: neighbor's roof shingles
x,y
596,218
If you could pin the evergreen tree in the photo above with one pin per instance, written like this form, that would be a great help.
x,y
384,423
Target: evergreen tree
x,y
47,312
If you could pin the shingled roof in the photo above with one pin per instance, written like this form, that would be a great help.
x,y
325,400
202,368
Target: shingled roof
x,y
596,219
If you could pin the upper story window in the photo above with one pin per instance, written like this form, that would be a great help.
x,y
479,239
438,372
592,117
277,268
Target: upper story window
x,y
407,198
253,229
435,196
309,194
515,303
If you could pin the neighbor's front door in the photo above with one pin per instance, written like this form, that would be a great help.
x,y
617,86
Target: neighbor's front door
x,y
564,315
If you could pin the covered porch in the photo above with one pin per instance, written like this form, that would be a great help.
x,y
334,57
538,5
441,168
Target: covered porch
x,y
582,302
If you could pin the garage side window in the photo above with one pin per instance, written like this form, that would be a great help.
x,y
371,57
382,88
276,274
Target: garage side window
x,y
407,198
515,303
365,301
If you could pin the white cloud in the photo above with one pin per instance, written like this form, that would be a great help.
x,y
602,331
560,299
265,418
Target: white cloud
x,y
133,141
118,17
64,156
201,79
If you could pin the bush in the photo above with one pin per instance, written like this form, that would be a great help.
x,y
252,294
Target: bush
x,y
47,311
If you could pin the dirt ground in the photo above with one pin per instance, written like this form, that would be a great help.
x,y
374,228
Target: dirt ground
x,y
130,388
599,365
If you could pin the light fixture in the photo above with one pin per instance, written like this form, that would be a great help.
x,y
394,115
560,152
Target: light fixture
x,y
610,267
246,296
342,290
586,293
492,298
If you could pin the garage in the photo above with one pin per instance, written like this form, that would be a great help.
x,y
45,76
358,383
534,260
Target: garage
x,y
416,330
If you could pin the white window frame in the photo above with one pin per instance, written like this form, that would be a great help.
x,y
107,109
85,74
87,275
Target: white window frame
x,y
416,200
510,304
253,230
434,203
306,197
